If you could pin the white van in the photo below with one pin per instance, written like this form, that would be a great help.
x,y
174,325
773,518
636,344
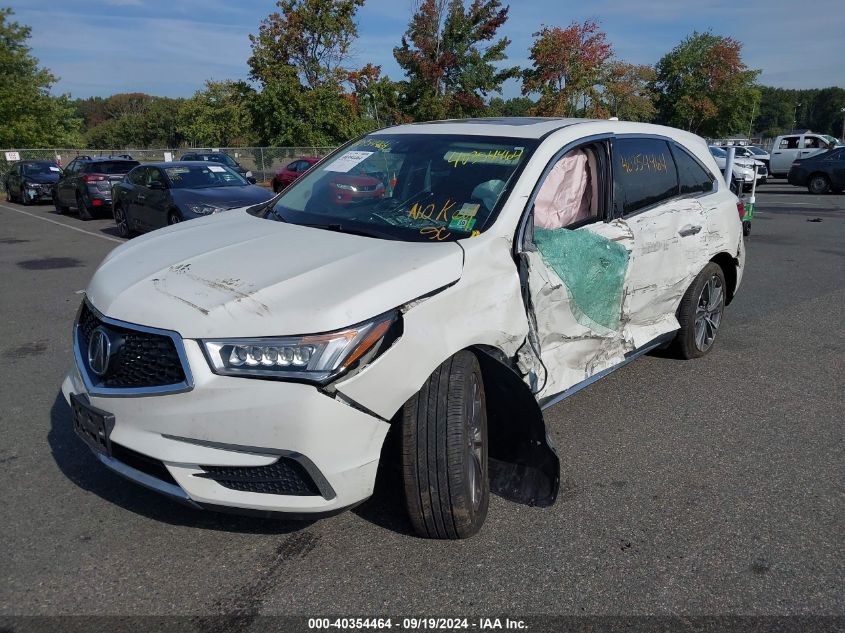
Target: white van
x,y
790,147
447,281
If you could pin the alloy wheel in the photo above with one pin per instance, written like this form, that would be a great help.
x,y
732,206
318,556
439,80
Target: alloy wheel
x,y
708,313
475,443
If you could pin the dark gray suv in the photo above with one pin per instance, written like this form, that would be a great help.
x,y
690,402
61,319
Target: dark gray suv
x,y
86,184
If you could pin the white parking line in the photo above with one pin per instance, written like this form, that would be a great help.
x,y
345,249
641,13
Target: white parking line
x,y
67,226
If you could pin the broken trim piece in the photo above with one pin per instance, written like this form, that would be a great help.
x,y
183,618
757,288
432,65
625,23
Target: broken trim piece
x,y
548,401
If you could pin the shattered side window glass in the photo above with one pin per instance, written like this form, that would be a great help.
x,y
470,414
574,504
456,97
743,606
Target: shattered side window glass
x,y
643,173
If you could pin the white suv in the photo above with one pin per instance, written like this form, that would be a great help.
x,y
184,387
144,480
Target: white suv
x,y
444,281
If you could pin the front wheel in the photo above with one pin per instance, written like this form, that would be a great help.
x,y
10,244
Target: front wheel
x,y
818,184
700,313
25,199
84,212
173,218
444,451
122,222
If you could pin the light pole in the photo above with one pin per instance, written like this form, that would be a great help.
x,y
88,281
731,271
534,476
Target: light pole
x,y
843,125
795,117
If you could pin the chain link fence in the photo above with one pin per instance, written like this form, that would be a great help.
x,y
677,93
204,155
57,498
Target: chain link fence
x,y
263,162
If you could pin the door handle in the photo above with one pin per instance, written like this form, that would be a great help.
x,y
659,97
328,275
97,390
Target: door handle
x,y
689,230
777,153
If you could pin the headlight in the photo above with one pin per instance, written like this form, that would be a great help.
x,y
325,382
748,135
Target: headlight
x,y
204,209
313,358
249,174
345,187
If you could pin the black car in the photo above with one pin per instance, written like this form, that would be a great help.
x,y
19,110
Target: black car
x,y
223,159
31,181
820,173
86,184
157,194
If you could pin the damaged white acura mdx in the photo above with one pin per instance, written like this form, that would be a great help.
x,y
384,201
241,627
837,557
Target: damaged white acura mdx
x,y
447,280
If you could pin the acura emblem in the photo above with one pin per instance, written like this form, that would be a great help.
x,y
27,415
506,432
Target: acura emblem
x,y
99,351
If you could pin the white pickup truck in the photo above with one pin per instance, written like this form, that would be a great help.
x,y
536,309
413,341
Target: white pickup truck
x,y
790,147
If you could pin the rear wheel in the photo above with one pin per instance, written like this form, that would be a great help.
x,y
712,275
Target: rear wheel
x,y
173,218
746,227
84,211
8,194
24,198
700,313
818,184
60,208
444,451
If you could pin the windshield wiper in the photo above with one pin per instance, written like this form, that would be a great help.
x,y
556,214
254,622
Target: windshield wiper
x,y
339,228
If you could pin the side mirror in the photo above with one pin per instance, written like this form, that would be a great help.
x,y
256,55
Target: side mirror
x,y
252,180
157,185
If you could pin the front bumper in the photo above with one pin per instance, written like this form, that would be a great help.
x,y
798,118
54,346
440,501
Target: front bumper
x,y
39,192
242,423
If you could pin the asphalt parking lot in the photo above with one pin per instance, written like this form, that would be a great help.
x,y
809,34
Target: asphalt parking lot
x,y
691,488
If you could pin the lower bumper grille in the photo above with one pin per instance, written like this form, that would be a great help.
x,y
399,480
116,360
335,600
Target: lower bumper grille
x,y
138,461
283,477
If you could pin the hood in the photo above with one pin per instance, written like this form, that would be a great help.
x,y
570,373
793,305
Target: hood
x,y
237,275
226,197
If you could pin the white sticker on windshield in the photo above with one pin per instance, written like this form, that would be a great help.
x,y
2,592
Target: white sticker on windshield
x,y
54,169
217,168
348,161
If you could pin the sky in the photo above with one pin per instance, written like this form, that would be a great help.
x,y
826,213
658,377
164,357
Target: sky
x,y
170,47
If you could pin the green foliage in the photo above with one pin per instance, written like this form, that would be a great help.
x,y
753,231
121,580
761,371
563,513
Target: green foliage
x,y
30,116
311,37
567,69
445,54
517,106
132,120
703,85
218,116
627,91
820,110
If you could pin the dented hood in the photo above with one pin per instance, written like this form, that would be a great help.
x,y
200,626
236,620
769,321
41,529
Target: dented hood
x,y
237,275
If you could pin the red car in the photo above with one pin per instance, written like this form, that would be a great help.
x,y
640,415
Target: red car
x,y
287,175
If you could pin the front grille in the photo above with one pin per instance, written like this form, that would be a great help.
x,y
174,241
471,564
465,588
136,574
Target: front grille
x,y
139,359
283,477
143,463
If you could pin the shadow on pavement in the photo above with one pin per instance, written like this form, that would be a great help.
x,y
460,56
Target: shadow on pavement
x,y
79,465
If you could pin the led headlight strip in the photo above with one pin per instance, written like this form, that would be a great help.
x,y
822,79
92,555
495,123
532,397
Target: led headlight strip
x,y
314,358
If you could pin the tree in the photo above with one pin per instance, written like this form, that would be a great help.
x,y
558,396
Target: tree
x,y
298,57
704,86
134,120
312,37
517,106
218,116
30,116
445,55
376,99
567,68
627,91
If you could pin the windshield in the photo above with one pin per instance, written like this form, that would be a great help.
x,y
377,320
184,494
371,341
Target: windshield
x,y
832,139
217,158
757,150
411,187
718,152
112,167
203,177
32,169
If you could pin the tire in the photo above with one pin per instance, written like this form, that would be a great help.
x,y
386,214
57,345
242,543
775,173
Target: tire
x,y
276,186
60,208
24,198
700,317
746,228
8,194
122,222
84,211
444,451
173,218
818,184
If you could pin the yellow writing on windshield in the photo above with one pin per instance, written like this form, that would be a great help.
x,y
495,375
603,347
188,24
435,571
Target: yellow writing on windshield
x,y
491,157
